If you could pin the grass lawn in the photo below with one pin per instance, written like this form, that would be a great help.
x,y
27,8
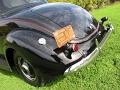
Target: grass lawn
x,y
101,74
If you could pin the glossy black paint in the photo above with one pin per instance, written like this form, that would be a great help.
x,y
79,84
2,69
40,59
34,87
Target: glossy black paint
x,y
21,28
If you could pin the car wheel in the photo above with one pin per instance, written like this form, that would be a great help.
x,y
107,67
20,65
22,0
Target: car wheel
x,y
30,74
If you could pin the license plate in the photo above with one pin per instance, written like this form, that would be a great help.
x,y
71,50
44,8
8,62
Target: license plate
x,y
64,35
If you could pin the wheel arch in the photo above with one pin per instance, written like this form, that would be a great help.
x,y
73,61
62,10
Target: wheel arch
x,y
9,54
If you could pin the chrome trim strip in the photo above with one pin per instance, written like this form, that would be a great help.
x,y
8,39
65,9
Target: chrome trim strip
x,y
105,38
91,56
80,40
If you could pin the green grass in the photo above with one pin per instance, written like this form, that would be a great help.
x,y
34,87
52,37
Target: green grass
x,y
101,74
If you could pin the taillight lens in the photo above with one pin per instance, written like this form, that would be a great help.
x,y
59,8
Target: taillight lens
x,y
75,47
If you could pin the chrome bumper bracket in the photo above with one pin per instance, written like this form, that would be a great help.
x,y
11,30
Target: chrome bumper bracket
x,y
91,56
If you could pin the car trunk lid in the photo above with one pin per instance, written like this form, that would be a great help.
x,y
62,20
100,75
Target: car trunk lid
x,y
64,14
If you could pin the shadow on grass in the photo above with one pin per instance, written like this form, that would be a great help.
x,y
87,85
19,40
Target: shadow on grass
x,y
10,73
52,80
6,72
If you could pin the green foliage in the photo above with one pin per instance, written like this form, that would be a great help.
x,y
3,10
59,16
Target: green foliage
x,y
87,4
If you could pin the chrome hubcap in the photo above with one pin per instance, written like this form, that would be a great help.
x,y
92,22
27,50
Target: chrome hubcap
x,y
26,69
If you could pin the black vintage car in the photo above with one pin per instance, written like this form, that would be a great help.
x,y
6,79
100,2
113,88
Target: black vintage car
x,y
40,39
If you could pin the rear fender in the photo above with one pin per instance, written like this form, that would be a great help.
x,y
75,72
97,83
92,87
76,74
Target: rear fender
x,y
28,39
43,64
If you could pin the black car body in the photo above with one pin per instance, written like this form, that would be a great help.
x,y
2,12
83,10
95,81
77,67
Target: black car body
x,y
27,41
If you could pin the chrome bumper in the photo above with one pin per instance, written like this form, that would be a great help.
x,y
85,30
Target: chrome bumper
x,y
91,56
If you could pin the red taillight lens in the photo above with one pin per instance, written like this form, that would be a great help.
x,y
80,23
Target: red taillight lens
x,y
75,47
